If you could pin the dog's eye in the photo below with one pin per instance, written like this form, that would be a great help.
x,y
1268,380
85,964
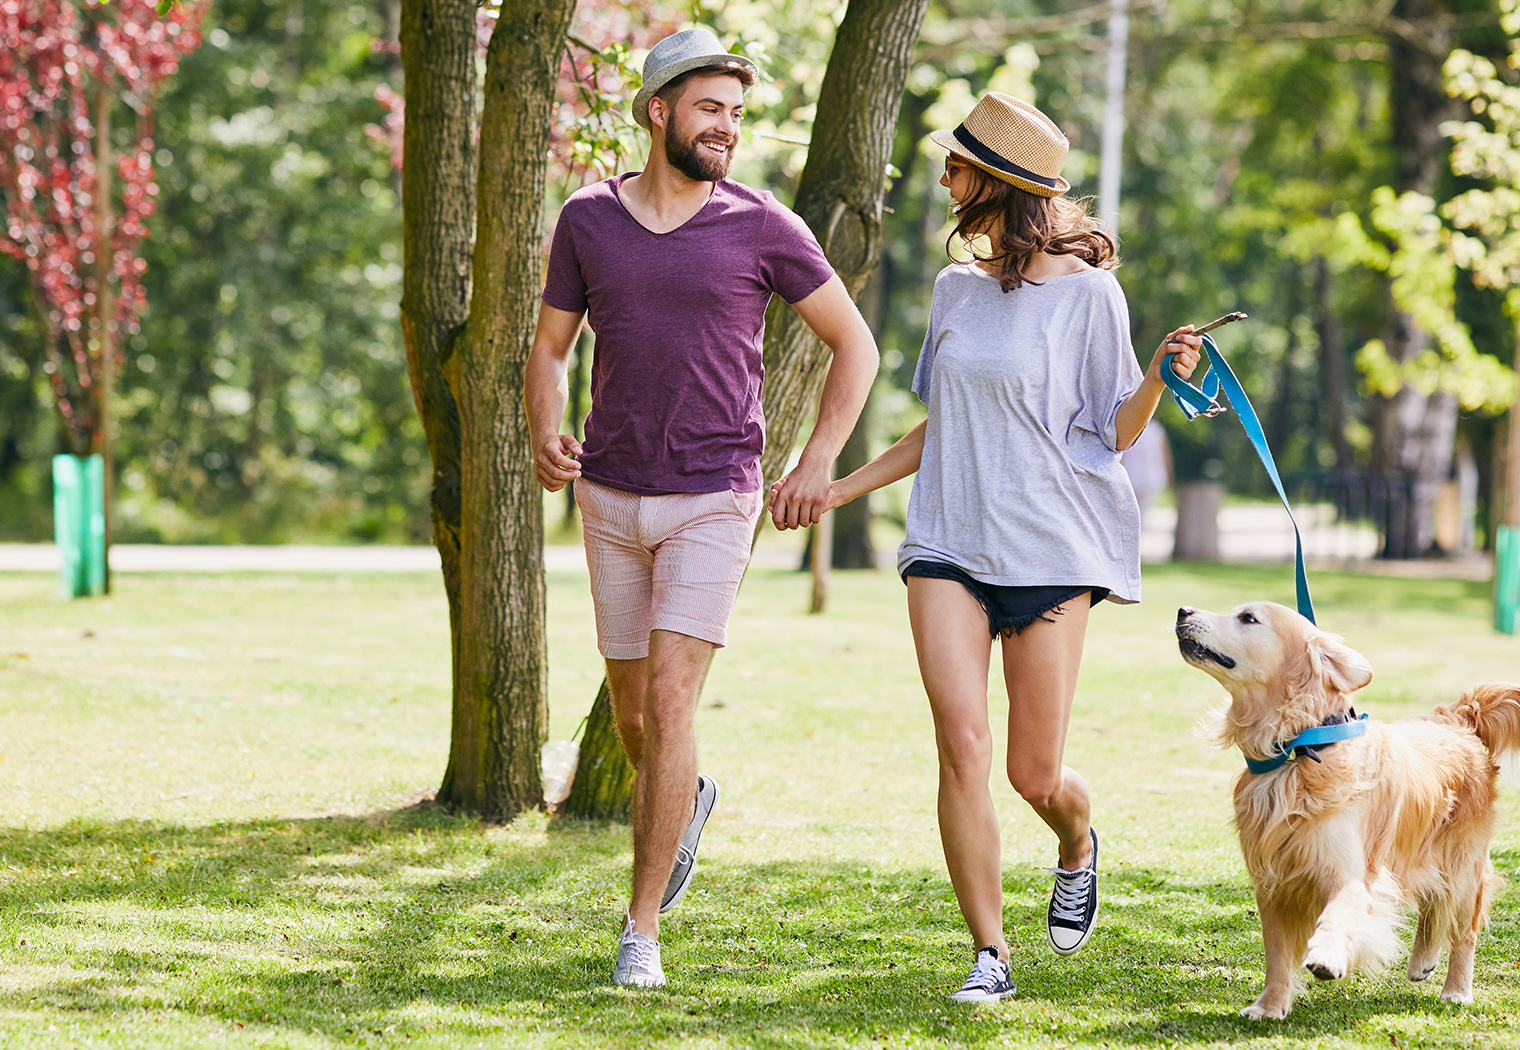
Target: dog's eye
x,y
1246,617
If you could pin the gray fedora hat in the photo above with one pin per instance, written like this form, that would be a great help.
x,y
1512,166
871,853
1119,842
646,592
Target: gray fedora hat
x,y
681,53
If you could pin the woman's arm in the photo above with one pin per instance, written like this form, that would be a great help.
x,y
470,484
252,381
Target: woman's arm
x,y
892,465
1137,409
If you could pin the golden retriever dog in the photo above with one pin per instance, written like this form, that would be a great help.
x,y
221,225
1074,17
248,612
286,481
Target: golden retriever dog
x,y
1343,837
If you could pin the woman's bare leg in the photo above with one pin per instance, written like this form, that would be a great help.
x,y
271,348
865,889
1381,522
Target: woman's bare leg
x,y
954,653
1041,667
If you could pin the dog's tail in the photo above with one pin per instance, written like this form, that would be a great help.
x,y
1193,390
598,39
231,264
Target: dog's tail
x,y
1491,711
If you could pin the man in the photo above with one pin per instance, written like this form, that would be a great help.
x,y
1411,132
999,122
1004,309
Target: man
x,y
674,266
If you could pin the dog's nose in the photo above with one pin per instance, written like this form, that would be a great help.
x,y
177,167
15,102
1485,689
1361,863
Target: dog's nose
x,y
1183,613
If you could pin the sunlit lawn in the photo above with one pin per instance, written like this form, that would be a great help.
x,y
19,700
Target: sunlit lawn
x,y
209,833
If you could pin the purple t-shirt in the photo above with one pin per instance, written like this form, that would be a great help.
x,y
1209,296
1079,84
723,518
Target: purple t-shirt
x,y
679,320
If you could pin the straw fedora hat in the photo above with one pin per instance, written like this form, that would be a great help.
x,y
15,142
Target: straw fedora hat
x,y
681,53
1011,140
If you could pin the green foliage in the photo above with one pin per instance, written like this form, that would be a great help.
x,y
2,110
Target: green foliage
x,y
1423,271
1488,148
266,396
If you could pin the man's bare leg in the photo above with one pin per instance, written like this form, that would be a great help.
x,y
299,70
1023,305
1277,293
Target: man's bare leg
x,y
663,792
628,681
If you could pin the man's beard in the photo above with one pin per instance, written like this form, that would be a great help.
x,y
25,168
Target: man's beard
x,y
694,160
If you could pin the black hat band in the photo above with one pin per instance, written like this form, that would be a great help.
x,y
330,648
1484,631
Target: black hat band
x,y
992,158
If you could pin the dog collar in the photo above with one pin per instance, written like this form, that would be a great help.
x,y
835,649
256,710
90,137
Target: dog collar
x,y
1315,736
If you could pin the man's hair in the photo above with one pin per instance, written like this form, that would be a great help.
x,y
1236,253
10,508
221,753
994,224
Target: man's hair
x,y
671,93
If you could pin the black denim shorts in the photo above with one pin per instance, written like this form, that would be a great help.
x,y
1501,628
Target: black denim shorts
x,y
1009,609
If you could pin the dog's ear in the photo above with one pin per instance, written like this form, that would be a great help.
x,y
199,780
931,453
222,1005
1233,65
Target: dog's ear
x,y
1342,667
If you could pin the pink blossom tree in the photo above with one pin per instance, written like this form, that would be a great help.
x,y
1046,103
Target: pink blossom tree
x,y
65,66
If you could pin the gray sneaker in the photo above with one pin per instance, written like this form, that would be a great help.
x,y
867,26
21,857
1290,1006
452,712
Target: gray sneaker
x,y
638,960
686,853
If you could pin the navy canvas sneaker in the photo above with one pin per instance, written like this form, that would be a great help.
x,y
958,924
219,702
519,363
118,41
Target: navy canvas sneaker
x,y
990,979
1074,905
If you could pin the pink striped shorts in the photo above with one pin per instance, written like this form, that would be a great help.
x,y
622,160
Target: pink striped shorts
x,y
663,563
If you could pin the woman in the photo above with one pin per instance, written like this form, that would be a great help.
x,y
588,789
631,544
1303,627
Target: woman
x,y
1021,515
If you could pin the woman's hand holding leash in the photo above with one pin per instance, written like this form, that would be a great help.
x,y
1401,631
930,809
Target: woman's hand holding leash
x,y
1186,344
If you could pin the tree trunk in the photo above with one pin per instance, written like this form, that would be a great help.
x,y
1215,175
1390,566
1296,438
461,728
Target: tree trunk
x,y
851,543
1197,536
851,526
501,692
603,787
1332,368
438,230
104,310
1281,420
1415,432
839,196
577,410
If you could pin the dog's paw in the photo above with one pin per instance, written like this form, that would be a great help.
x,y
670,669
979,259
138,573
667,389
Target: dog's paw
x,y
1263,1010
1418,970
1456,997
1327,962
1324,971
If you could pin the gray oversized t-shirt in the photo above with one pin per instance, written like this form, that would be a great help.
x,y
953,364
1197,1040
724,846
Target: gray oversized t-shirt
x,y
1020,483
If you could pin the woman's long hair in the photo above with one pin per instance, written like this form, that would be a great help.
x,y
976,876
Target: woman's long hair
x,y
1020,223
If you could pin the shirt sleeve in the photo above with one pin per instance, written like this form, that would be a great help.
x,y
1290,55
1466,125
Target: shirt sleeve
x,y
791,262
923,372
1110,373
564,285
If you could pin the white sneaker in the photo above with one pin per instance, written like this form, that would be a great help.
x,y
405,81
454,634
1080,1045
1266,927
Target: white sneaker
x,y
638,960
1074,906
990,979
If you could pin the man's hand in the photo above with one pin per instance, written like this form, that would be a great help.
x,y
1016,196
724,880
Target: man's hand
x,y
554,463
800,498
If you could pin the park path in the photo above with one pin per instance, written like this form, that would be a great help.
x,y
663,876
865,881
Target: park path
x,y
1248,533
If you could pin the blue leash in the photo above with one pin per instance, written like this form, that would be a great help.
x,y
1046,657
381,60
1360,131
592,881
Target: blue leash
x,y
1195,402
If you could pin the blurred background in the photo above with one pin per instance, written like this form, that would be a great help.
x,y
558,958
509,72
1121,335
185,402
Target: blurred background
x,y
1289,158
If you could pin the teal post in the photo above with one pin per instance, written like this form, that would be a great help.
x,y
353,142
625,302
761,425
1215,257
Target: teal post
x,y
1506,578
79,524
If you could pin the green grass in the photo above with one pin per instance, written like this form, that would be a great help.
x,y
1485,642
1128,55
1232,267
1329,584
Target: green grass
x,y
209,833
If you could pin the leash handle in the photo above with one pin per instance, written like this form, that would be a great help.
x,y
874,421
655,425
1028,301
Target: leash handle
x,y
1194,402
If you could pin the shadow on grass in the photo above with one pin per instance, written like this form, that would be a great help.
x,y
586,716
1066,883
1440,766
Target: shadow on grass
x,y
415,922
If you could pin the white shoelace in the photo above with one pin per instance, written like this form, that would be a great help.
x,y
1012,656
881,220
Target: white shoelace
x,y
986,973
684,856
1070,902
643,953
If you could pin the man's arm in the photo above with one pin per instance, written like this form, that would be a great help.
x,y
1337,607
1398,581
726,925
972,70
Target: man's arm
x,y
547,390
804,493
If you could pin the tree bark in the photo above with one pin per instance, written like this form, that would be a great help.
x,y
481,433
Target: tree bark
x,y
1332,368
851,527
438,231
1414,433
840,197
1280,423
603,787
501,687
104,310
